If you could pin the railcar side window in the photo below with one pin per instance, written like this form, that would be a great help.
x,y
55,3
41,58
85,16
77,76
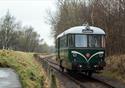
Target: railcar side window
x,y
56,44
71,40
94,41
63,42
103,41
80,40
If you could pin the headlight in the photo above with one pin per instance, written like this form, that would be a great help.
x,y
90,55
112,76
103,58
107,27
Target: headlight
x,y
101,55
74,55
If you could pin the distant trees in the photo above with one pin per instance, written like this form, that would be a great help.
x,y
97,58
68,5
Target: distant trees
x,y
7,31
106,14
28,39
14,36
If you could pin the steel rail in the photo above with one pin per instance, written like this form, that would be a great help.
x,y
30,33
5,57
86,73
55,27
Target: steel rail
x,y
81,84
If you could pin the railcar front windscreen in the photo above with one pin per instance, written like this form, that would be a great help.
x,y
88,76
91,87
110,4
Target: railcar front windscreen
x,y
94,41
81,40
90,41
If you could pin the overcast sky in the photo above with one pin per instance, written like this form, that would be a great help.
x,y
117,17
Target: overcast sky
x,y
31,12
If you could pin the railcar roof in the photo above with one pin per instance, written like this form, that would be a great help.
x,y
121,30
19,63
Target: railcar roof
x,y
80,29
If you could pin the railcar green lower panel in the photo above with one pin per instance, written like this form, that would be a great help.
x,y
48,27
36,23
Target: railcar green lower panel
x,y
95,55
70,56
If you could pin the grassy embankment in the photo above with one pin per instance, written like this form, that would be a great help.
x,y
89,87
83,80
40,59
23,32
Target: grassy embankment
x,y
115,67
29,70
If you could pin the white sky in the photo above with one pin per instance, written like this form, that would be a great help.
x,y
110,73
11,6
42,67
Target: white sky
x,y
31,12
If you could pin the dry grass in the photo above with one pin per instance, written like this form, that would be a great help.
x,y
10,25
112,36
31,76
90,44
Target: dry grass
x,y
29,70
115,67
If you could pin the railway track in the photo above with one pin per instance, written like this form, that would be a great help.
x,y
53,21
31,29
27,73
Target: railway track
x,y
80,79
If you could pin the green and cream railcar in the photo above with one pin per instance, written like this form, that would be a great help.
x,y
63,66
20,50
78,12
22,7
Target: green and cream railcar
x,y
81,48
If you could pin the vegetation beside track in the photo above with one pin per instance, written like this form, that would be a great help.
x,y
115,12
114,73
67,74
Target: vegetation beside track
x,y
115,67
28,69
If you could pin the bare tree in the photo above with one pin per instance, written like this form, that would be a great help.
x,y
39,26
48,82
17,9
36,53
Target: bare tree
x,y
106,14
7,31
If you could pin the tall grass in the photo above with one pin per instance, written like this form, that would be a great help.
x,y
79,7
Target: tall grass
x,y
115,67
28,69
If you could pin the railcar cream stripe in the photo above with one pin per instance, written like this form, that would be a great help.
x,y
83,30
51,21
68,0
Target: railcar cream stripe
x,y
80,54
85,57
95,55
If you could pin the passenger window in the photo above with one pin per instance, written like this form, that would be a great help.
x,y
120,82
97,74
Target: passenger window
x,y
71,40
63,42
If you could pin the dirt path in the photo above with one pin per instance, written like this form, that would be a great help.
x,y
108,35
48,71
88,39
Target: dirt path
x,y
9,79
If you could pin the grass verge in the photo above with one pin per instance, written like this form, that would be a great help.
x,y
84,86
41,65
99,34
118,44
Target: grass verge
x,y
29,70
115,67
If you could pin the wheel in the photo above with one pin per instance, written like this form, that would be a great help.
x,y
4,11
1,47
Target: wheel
x,y
71,72
61,67
67,70
86,72
90,73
